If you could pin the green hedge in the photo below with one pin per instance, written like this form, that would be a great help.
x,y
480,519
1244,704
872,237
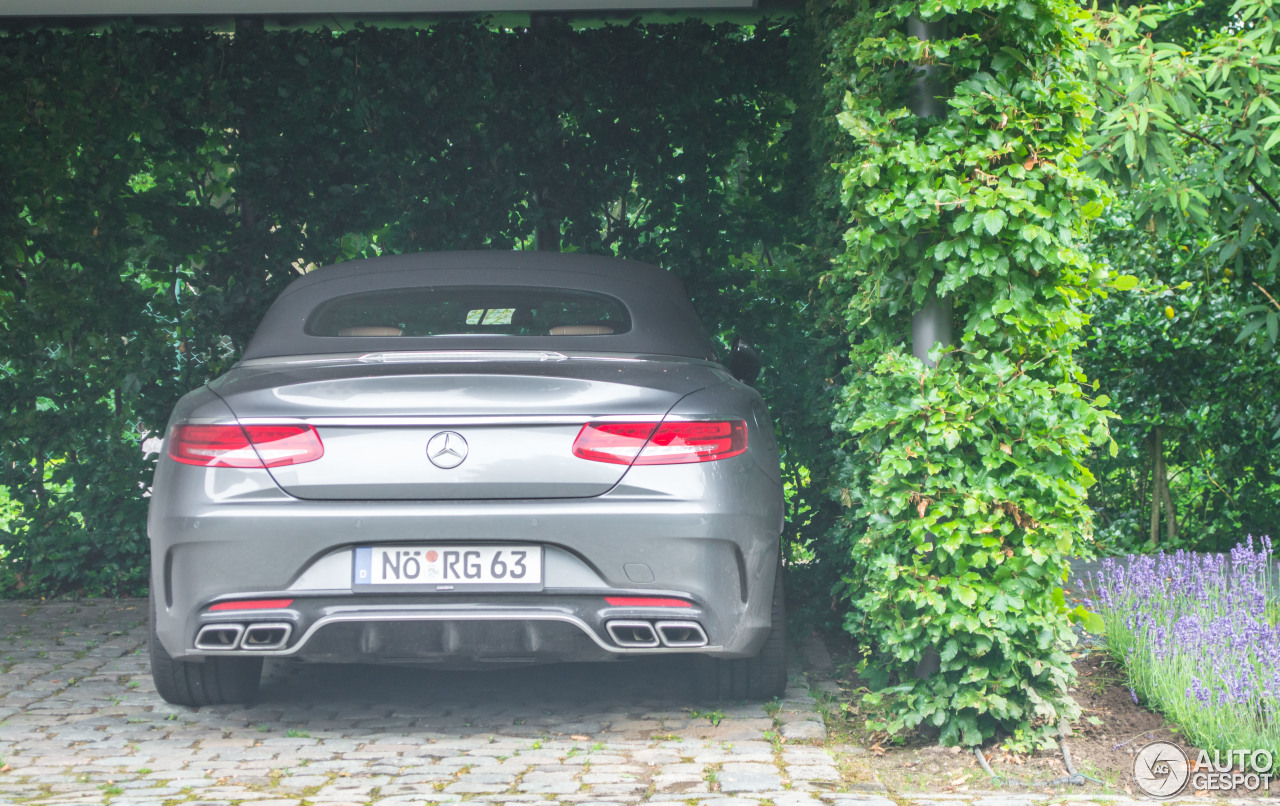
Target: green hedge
x,y
157,189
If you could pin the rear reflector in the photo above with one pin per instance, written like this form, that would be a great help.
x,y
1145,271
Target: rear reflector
x,y
253,604
642,601
670,443
259,446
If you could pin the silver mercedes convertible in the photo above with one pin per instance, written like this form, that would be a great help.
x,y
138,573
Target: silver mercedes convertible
x,y
470,459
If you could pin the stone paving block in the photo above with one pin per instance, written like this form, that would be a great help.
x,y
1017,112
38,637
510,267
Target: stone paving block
x,y
685,768
548,783
744,777
750,767
682,781
620,789
299,782
806,730
861,800
804,715
474,787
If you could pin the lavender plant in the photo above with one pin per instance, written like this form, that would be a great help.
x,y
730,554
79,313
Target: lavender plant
x,y
1199,638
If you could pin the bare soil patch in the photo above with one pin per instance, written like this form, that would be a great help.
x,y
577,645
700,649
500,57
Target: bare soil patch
x,y
1111,730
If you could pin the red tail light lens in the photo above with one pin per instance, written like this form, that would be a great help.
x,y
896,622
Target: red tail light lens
x,y
253,604
644,601
256,446
670,443
616,443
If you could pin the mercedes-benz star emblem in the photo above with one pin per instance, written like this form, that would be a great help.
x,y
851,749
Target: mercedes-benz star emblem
x,y
447,450
1160,770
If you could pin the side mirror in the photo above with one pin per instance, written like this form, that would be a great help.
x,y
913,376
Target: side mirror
x,y
744,361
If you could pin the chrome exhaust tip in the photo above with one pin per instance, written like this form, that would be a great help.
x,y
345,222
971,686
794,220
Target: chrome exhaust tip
x,y
632,634
681,633
219,637
266,636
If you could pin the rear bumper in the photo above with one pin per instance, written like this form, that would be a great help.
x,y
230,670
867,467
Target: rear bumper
x,y
546,628
718,553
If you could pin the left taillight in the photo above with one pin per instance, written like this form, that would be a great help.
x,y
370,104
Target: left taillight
x,y
255,446
669,443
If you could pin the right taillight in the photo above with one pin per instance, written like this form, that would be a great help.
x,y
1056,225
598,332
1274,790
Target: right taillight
x,y
669,443
247,446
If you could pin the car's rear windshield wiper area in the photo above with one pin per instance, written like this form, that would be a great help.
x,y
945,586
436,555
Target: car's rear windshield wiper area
x,y
464,310
461,356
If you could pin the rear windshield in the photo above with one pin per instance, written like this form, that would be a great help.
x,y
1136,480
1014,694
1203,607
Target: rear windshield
x,y
469,310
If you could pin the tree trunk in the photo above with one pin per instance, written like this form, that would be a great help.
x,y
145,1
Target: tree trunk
x,y
1160,495
1170,514
1157,474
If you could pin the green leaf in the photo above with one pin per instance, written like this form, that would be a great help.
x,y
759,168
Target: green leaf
x,y
993,221
1091,622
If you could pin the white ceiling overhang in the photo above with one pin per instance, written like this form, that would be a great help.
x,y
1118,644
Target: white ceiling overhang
x,y
168,8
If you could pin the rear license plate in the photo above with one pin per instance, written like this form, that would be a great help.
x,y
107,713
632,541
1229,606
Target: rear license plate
x,y
447,568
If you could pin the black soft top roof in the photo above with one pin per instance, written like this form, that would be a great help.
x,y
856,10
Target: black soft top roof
x,y
663,321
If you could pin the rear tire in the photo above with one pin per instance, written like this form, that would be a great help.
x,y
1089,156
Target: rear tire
x,y
215,681
760,678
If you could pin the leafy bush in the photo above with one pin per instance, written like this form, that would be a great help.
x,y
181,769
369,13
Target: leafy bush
x,y
964,483
1186,133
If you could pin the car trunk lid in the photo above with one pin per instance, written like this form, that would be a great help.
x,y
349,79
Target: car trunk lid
x,y
480,427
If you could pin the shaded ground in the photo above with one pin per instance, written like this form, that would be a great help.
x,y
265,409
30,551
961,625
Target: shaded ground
x,y
80,723
1111,730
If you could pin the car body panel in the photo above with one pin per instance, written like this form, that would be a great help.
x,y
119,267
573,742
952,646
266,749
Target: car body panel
x,y
694,543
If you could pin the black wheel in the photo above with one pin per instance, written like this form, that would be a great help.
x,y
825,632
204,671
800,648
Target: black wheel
x,y
760,678
215,681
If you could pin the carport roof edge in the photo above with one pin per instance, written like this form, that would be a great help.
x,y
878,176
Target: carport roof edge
x,y
110,8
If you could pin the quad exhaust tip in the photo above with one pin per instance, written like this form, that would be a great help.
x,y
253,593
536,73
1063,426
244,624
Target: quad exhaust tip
x,y
649,635
226,637
681,633
219,636
266,636
633,634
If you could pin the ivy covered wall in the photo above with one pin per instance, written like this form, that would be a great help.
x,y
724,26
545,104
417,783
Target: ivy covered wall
x,y
158,188
963,485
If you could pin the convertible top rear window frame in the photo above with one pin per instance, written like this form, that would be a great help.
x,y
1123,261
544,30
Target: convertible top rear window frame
x,y
663,321
328,314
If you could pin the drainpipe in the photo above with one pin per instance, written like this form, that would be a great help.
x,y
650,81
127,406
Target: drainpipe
x,y
932,323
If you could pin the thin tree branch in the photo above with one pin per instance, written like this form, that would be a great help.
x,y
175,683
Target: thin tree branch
x,y
1264,291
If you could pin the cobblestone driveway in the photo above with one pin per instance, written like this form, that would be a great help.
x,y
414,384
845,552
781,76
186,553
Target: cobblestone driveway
x,y
81,723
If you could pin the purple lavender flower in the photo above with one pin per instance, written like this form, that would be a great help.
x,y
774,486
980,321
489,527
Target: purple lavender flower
x,y
1198,624
1198,691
